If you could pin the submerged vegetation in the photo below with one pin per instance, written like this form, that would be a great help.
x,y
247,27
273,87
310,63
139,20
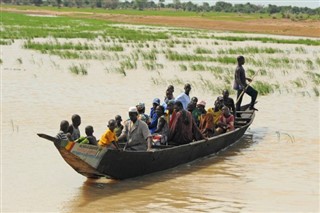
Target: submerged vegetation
x,y
81,69
209,56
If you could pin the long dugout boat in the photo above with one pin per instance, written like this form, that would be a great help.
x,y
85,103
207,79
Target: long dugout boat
x,y
95,162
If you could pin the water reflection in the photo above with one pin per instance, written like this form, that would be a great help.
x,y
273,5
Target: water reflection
x,y
191,186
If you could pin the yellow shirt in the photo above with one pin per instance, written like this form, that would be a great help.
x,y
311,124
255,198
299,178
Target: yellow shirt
x,y
107,138
216,115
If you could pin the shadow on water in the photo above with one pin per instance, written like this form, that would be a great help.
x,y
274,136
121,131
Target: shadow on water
x,y
94,190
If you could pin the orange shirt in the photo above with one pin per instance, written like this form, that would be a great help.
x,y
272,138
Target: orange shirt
x,y
107,138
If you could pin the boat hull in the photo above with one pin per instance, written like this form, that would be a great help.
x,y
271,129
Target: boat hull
x,y
94,161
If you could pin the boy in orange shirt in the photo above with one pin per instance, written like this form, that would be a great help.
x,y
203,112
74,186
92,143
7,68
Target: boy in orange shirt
x,y
109,138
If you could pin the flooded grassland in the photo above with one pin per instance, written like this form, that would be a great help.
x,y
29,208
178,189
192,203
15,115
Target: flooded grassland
x,y
53,67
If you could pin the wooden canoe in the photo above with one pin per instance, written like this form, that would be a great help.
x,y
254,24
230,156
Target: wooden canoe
x,y
94,161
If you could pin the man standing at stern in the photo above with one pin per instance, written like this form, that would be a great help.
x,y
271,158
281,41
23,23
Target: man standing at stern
x,y
241,85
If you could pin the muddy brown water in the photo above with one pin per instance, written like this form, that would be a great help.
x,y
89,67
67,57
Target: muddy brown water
x,y
274,168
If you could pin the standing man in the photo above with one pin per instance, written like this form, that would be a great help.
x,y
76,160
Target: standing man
x,y
240,85
184,97
137,133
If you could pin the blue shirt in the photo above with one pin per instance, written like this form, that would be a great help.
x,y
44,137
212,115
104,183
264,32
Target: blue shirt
x,y
154,122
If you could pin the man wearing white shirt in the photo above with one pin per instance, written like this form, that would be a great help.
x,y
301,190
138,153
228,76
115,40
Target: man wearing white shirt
x,y
184,97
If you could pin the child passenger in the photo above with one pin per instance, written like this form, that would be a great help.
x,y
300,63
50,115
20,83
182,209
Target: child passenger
x,y
89,132
109,138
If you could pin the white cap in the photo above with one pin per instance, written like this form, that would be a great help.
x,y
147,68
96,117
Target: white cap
x,y
133,109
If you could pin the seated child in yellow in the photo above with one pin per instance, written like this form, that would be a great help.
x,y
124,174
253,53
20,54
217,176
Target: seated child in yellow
x,y
109,138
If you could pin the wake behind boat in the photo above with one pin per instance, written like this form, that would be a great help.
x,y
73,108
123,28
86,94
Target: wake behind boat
x,y
95,161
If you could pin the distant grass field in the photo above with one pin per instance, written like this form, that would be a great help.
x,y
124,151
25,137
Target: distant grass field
x,y
21,26
163,12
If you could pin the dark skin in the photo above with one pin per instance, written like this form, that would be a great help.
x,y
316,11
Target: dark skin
x,y
76,121
194,100
89,131
225,95
191,107
112,126
154,105
170,108
177,108
187,89
134,117
201,108
242,61
170,88
161,122
169,95
221,126
118,120
218,105
64,126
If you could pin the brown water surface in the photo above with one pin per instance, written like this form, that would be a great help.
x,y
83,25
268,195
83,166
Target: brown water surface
x,y
274,168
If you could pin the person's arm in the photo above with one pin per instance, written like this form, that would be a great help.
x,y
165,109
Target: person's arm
x,y
149,143
249,79
154,121
161,123
221,124
123,133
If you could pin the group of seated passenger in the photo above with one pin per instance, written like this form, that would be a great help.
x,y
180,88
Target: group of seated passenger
x,y
177,121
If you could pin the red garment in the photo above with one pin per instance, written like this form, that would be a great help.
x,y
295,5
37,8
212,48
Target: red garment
x,y
206,125
182,132
229,121
172,118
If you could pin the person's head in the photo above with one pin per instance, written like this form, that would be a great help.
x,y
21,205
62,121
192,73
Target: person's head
x,y
160,110
191,106
89,130
70,129
118,119
112,124
133,114
218,104
187,88
201,106
225,111
170,106
141,108
64,125
194,100
76,120
225,93
178,106
169,95
170,88
155,102
240,60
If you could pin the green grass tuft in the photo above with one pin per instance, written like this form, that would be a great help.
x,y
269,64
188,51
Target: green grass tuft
x,y
78,69
262,87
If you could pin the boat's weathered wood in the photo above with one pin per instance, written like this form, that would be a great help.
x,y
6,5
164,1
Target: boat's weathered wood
x,y
73,160
48,137
245,112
